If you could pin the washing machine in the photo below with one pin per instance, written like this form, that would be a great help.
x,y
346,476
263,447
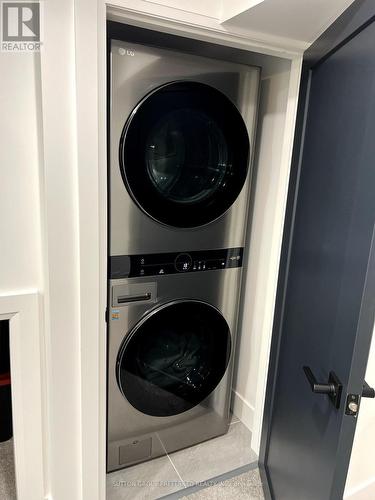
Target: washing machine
x,y
170,355
180,144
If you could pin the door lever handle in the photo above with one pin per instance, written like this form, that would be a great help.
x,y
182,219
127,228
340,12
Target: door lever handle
x,y
332,389
367,392
317,387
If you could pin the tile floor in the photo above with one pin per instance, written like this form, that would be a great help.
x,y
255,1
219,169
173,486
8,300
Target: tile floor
x,y
247,486
173,473
185,468
7,479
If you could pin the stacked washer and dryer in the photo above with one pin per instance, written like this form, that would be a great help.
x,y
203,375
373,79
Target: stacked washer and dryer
x,y
180,144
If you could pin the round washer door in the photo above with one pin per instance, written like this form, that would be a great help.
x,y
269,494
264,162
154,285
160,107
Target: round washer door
x,y
184,154
174,358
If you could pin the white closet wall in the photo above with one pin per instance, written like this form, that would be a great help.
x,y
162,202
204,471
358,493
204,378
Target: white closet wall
x,y
265,222
20,230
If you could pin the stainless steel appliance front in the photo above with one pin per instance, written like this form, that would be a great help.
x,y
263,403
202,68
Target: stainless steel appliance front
x,y
180,147
133,435
183,133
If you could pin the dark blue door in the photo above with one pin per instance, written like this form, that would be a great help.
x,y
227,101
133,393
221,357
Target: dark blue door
x,y
326,310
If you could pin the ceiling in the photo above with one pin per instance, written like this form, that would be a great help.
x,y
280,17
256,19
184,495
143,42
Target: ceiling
x,y
300,20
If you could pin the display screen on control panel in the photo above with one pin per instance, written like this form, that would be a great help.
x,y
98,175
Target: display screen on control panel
x,y
129,266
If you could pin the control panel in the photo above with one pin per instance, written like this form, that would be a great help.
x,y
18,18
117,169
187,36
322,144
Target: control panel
x,y
129,266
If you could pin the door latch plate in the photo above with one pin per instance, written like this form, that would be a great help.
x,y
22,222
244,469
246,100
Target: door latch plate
x,y
335,397
352,405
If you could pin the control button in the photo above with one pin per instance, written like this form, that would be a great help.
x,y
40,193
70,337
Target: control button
x,y
183,262
160,269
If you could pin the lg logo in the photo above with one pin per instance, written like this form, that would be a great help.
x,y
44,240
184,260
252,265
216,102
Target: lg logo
x,y
126,52
20,26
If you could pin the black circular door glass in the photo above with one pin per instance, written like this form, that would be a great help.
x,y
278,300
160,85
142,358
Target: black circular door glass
x,y
184,154
174,358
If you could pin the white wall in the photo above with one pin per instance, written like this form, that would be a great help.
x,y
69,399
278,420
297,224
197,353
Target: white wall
x,y
258,292
21,267
20,230
39,247
360,484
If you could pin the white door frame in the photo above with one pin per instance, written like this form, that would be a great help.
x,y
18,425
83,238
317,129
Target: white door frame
x,y
80,128
28,390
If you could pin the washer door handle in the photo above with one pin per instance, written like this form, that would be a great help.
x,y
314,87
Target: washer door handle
x,y
133,298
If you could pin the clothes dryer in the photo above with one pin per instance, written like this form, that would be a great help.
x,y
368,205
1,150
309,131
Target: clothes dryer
x,y
181,142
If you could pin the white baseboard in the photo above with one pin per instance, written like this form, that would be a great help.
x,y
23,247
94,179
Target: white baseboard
x,y
243,410
365,491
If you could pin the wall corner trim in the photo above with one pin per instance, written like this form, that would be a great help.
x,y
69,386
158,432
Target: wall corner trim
x,y
243,410
22,310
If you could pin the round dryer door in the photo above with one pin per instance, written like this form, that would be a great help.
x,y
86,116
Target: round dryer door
x,y
174,358
184,154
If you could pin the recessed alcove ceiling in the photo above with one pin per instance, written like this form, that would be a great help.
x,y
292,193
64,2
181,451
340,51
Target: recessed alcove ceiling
x,y
300,20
